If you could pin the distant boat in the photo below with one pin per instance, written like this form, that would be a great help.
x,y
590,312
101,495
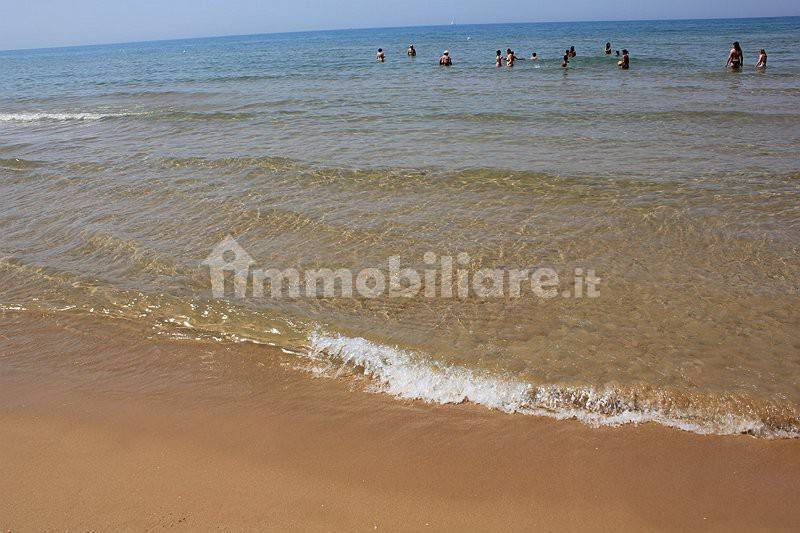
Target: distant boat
x,y
452,21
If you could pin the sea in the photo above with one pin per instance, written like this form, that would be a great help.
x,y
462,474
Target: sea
x,y
674,187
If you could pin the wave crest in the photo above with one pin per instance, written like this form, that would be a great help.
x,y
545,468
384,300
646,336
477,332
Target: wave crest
x,y
406,375
61,117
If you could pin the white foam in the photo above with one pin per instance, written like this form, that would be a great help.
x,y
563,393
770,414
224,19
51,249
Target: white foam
x,y
408,375
34,117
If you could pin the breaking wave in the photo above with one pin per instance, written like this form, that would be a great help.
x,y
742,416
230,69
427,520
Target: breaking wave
x,y
408,375
36,117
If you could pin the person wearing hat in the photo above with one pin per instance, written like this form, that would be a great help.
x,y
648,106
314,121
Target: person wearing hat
x,y
411,51
445,60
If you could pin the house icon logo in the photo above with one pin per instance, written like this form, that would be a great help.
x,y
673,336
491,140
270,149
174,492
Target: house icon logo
x,y
228,256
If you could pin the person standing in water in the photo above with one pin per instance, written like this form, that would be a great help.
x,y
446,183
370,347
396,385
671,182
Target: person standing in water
x,y
534,57
565,60
608,49
735,57
445,60
498,60
411,51
625,62
572,52
380,57
762,60
510,57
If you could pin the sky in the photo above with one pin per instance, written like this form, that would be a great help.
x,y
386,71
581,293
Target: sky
x,y
48,23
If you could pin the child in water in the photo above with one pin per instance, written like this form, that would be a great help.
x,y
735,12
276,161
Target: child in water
x,y
762,60
380,57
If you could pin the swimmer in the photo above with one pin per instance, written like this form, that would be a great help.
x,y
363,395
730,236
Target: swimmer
x,y
625,62
762,60
534,57
380,57
445,60
608,49
510,57
498,60
572,52
735,57
565,60
411,51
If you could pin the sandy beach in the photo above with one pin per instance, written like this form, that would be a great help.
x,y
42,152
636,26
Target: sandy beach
x,y
239,438
261,281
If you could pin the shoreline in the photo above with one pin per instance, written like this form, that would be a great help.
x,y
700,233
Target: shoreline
x,y
238,437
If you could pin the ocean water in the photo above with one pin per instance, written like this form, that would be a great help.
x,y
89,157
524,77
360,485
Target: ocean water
x,y
677,182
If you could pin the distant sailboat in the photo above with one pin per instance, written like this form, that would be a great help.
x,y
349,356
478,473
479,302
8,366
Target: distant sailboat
x,y
452,21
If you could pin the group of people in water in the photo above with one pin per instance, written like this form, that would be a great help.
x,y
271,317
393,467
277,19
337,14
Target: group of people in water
x,y
735,57
509,57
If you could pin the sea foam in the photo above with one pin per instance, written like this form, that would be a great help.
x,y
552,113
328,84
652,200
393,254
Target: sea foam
x,y
35,117
409,375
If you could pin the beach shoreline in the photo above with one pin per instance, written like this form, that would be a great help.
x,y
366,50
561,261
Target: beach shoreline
x,y
239,437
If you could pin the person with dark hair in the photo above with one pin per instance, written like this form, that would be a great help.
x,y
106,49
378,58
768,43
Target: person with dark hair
x,y
510,57
445,60
625,62
608,49
498,60
572,52
534,57
411,51
565,60
380,57
762,60
735,57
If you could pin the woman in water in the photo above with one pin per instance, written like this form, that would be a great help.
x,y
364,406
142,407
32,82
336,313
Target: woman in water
x,y
625,62
762,60
565,61
380,57
608,49
534,57
572,52
445,60
411,51
735,57
510,57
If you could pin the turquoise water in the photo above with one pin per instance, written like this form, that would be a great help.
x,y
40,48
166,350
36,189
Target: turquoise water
x,y
321,98
677,181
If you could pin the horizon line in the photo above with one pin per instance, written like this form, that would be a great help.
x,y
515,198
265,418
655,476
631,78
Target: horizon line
x,y
321,30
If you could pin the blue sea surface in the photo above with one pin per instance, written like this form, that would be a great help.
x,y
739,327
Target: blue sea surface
x,y
320,97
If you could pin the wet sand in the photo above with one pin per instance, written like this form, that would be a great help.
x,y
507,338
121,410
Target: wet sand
x,y
104,429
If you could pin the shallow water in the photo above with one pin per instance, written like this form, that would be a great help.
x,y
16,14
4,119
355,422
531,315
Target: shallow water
x,y
676,182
